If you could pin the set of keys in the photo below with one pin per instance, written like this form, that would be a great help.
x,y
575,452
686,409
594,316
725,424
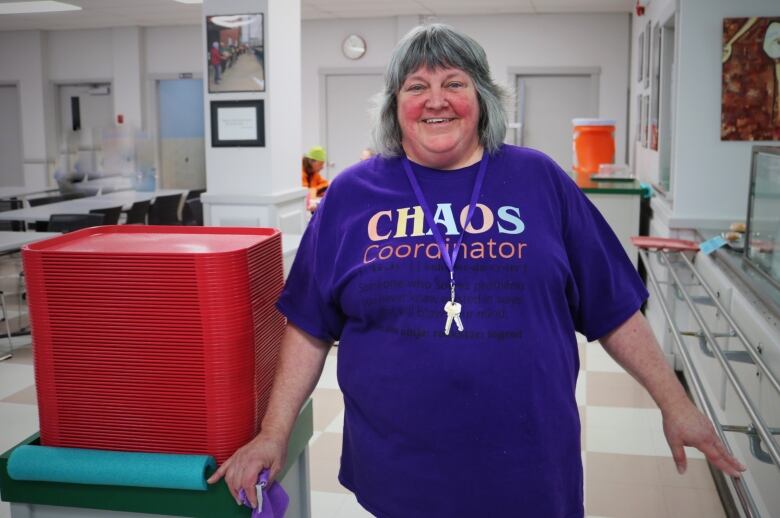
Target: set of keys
x,y
452,309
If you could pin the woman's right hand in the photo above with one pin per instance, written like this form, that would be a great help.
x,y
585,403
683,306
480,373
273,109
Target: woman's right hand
x,y
242,468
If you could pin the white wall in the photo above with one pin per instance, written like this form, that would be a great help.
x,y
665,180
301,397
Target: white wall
x,y
23,55
12,163
509,40
128,74
174,50
710,177
283,66
321,50
80,56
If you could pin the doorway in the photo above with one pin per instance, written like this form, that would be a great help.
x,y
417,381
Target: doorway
x,y
85,112
547,101
181,130
348,103
12,164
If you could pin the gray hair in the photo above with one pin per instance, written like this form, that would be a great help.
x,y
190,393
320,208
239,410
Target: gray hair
x,y
439,46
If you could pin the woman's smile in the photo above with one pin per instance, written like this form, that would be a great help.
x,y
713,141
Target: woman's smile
x,y
438,112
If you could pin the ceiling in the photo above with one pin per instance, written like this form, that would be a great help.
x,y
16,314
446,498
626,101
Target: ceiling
x,y
144,13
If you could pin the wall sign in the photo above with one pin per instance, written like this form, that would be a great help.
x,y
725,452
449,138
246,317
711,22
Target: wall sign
x,y
237,123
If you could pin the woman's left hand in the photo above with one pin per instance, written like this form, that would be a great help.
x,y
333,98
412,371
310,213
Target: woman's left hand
x,y
685,425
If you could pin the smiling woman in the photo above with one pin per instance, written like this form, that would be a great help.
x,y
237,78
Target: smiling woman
x,y
463,58
459,365
438,112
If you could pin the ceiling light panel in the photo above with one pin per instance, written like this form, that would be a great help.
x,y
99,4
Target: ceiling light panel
x,y
45,6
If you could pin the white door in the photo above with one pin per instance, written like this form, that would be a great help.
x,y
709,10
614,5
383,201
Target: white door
x,y
85,111
182,149
11,164
347,119
546,106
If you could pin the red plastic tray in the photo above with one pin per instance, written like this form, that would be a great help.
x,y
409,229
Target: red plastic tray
x,y
160,339
663,243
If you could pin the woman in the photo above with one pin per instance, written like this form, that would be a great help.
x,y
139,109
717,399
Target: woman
x,y
313,162
455,271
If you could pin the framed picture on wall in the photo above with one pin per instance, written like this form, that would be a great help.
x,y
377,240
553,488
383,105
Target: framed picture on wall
x,y
646,59
750,79
235,53
645,112
640,62
655,86
237,123
639,118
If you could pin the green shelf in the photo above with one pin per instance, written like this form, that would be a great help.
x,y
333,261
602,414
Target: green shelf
x,y
215,501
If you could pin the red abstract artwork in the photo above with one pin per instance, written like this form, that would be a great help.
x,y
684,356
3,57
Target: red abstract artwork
x,y
751,79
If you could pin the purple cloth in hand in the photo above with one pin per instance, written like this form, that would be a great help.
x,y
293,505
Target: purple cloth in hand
x,y
275,499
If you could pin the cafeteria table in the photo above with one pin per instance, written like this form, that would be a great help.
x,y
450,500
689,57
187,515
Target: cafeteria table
x,y
84,205
22,192
11,242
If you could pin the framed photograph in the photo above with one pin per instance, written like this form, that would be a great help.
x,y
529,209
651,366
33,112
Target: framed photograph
x,y
646,58
655,86
644,120
639,118
237,123
640,62
235,53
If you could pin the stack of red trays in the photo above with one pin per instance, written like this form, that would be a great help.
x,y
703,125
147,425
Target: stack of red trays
x,y
155,339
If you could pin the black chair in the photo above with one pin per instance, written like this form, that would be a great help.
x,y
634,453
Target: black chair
x,y
193,212
5,319
138,212
11,204
70,222
195,193
110,215
165,210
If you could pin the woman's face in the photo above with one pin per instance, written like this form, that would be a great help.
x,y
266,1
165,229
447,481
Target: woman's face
x,y
317,165
438,112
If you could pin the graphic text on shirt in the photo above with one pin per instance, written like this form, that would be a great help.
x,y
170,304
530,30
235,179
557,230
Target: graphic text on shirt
x,y
409,222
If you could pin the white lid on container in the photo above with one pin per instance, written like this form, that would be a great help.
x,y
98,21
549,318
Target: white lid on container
x,y
593,122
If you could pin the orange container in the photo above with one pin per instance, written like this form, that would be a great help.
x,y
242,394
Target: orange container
x,y
593,143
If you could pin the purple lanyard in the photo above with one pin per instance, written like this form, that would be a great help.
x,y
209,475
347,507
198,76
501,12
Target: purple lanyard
x,y
449,260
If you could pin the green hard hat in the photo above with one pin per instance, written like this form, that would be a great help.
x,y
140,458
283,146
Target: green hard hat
x,y
316,153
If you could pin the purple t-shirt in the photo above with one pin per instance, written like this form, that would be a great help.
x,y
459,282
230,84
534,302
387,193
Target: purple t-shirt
x,y
481,422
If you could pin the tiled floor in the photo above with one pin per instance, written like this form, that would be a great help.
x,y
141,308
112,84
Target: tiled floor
x,y
628,469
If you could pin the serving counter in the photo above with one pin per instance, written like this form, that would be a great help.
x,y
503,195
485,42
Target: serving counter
x,y
619,203
724,322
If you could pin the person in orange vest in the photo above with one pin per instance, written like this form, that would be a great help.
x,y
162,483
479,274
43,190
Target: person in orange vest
x,y
313,162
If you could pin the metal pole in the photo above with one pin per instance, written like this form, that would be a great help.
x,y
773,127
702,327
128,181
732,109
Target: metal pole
x,y
761,427
748,346
743,493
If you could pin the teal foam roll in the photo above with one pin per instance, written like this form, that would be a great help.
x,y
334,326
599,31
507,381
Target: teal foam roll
x,y
112,468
